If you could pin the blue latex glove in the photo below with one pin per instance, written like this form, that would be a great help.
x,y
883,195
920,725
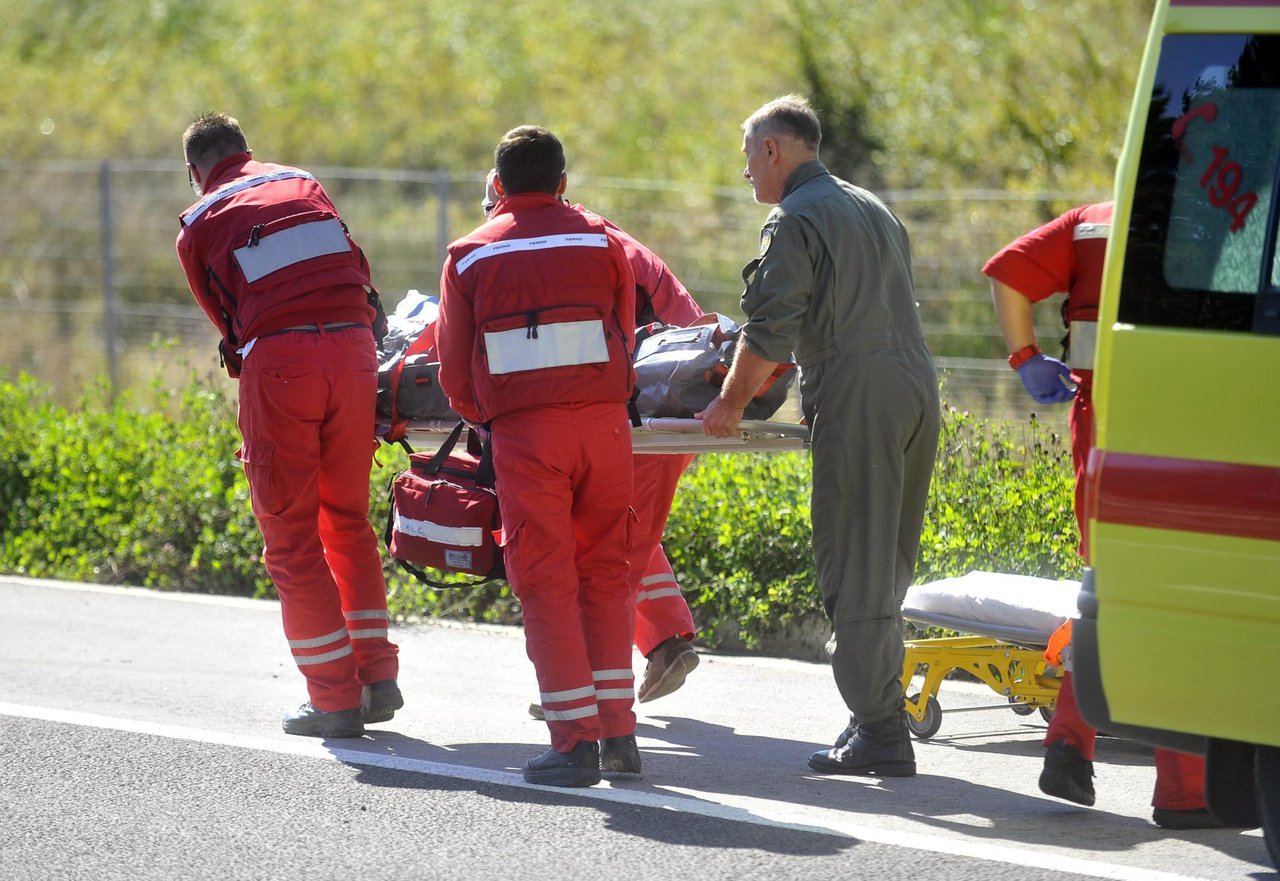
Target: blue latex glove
x,y
1047,379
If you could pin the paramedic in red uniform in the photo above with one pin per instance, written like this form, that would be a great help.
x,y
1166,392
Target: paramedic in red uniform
x,y
537,308
1067,255
270,262
664,627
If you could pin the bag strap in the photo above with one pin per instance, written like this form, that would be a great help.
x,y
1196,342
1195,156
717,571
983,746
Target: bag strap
x,y
422,576
483,451
436,462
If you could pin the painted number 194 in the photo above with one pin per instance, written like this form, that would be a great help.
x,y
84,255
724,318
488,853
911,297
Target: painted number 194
x,y
1221,188
1221,180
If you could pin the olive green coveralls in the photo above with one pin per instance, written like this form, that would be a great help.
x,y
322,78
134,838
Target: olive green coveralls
x,y
833,285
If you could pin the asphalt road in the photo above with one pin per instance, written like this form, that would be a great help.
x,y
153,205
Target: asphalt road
x,y
140,738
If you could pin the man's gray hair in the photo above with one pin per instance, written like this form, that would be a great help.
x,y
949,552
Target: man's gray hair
x,y
789,115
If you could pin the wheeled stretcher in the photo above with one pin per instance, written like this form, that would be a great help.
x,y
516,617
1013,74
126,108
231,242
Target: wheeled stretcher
x,y
1006,622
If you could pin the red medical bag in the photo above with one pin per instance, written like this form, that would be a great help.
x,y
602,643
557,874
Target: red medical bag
x,y
444,513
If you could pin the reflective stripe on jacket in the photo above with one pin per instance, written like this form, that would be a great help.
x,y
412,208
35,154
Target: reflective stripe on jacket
x,y
265,249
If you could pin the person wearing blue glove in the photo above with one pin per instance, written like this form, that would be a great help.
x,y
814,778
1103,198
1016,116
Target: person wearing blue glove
x,y
1066,255
1048,380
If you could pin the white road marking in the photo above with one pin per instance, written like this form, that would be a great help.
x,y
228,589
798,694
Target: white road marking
x,y
740,809
203,599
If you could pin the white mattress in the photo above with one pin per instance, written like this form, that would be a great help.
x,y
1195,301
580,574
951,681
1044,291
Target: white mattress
x,y
1020,609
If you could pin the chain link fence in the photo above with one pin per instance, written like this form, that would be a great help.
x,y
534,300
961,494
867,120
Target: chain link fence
x,y
90,285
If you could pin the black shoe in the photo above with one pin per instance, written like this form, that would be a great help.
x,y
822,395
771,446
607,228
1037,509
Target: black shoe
x,y
880,748
620,755
1067,774
379,701
1194,818
578,767
310,722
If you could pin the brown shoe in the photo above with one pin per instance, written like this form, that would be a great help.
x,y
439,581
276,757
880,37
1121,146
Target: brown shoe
x,y
668,665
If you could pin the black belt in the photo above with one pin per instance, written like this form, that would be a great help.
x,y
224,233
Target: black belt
x,y
316,328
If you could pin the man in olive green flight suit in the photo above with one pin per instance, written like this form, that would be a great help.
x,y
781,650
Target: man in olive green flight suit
x,y
833,285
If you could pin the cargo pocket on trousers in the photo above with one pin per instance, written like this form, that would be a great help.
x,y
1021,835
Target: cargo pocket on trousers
x,y
633,524
257,458
509,546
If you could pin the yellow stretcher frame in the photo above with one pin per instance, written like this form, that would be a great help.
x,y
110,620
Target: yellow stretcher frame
x,y
1013,668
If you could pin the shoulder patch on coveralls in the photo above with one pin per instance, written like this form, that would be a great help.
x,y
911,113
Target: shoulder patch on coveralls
x,y
766,239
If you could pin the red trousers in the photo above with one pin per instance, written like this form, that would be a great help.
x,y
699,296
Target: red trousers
x,y
1179,776
306,416
564,485
1082,441
661,610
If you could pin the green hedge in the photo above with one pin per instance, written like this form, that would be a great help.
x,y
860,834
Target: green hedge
x,y
122,493
150,493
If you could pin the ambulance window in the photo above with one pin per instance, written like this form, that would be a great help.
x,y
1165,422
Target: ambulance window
x,y
1198,241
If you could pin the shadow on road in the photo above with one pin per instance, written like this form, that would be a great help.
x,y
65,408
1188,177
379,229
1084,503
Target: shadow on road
x,y
655,821
704,760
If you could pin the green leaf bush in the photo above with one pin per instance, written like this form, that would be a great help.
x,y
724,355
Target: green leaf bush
x,y
148,492
119,492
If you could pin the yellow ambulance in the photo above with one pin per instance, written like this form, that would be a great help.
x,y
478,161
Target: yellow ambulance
x,y
1178,640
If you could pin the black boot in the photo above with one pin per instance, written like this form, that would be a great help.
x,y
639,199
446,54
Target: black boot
x,y
850,730
620,755
881,748
578,767
1067,774
379,701
310,722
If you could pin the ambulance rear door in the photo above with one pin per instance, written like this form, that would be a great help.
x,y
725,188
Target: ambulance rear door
x,y
1180,608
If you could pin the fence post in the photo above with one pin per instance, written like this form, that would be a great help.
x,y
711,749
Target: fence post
x,y
108,277
442,219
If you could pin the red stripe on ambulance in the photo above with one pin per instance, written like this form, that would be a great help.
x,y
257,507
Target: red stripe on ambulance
x,y
1187,495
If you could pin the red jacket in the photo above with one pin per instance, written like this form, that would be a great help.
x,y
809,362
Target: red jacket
x,y
265,249
537,306
1066,255
659,294
1063,256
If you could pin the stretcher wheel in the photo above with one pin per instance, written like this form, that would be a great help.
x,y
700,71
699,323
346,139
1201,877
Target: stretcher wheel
x,y
932,721
1046,713
1019,707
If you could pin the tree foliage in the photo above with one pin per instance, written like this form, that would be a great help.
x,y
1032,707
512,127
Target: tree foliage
x,y
1021,93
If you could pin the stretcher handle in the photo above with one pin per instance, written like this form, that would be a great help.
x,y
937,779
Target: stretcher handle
x,y
747,428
